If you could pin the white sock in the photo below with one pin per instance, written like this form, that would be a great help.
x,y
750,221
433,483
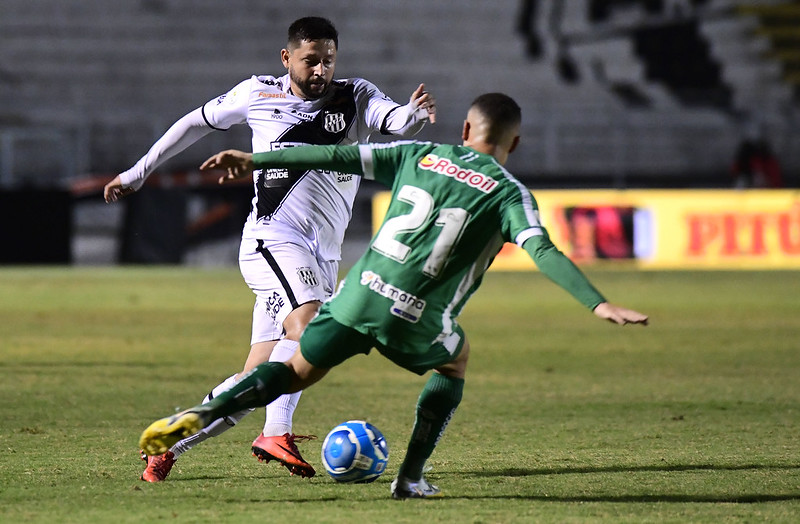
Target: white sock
x,y
216,428
281,410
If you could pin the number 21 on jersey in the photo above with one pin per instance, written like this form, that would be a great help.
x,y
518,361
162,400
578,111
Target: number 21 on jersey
x,y
451,220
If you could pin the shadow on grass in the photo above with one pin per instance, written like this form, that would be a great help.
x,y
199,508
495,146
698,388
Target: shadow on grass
x,y
743,498
527,472
672,498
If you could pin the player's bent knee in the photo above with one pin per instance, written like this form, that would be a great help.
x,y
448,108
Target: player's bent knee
x,y
457,368
299,318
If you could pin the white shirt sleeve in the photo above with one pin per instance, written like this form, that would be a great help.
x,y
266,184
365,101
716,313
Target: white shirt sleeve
x,y
383,114
406,120
231,108
183,133
220,114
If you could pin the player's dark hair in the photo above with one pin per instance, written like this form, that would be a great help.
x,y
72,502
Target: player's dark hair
x,y
501,111
312,28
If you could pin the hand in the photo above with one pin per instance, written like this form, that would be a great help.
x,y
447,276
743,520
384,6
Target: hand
x,y
620,315
238,164
425,100
114,190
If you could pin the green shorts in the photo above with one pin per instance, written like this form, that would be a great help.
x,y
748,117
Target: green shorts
x,y
326,343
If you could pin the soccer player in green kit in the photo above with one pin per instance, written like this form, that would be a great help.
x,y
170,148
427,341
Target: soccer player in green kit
x,y
452,208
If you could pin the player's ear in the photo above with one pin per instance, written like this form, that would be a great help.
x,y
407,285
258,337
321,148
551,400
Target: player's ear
x,y
285,57
514,144
465,131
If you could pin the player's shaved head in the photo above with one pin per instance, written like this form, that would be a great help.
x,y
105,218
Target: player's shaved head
x,y
492,125
497,115
312,28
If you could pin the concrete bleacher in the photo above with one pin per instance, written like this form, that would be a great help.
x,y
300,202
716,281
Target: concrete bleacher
x,y
756,81
112,76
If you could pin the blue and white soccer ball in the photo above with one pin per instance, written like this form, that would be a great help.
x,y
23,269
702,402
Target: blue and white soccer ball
x,y
355,451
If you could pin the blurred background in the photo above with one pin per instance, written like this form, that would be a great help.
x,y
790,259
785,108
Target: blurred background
x,y
617,94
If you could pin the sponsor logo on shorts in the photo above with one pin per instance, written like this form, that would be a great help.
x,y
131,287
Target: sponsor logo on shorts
x,y
274,305
307,276
334,122
406,306
445,167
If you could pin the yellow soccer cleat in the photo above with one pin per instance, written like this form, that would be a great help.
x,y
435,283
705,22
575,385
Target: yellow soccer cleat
x,y
166,432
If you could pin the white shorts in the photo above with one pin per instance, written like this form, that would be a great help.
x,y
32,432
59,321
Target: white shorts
x,y
283,276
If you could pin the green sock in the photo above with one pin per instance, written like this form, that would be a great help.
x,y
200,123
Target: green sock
x,y
257,388
437,403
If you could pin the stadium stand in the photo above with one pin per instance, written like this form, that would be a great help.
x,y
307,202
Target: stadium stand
x,y
617,93
111,76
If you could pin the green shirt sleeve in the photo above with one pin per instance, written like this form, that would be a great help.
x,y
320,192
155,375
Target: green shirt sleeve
x,y
343,159
561,270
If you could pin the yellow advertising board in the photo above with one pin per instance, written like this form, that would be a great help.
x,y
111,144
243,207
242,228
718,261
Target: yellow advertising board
x,y
664,229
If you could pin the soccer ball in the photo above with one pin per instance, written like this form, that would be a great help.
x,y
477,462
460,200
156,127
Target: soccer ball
x,y
355,451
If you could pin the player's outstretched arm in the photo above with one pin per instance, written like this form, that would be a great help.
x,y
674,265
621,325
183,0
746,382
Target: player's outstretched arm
x,y
561,270
186,131
620,315
115,190
237,163
409,119
423,99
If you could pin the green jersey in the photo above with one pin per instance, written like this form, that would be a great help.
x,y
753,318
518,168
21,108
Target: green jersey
x,y
451,210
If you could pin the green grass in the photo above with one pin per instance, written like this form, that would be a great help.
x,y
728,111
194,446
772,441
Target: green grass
x,y
565,418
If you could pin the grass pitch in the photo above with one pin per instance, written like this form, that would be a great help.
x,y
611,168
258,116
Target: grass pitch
x,y
565,418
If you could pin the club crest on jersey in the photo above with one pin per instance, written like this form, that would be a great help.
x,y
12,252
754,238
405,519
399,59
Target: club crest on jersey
x,y
334,122
307,276
443,166
406,306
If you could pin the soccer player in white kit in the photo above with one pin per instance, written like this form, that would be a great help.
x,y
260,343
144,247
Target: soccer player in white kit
x,y
291,242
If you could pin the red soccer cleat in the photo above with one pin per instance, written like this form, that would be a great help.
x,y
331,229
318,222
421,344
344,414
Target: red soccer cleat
x,y
283,449
158,466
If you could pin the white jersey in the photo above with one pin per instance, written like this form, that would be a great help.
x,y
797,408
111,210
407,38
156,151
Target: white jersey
x,y
309,207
